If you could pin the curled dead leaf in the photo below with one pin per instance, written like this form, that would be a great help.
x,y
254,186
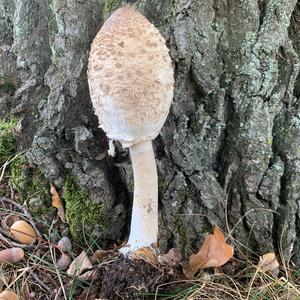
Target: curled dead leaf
x,y
89,276
61,214
80,264
214,252
171,259
147,254
269,263
11,255
56,200
57,203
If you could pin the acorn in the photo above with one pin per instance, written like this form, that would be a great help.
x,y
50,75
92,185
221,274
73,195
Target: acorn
x,y
11,255
8,295
23,232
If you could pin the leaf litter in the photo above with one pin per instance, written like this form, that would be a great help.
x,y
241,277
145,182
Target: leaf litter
x,y
52,270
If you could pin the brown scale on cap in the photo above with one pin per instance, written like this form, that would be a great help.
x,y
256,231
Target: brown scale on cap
x,y
130,77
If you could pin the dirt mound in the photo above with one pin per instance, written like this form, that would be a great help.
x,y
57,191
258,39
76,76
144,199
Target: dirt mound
x,y
131,279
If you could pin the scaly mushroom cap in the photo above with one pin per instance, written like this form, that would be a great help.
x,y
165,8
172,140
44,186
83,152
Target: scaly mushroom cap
x,y
130,78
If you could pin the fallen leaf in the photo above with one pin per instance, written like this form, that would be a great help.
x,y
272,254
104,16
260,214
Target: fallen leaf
x,y
89,276
213,253
269,263
172,258
61,214
56,200
99,255
80,264
147,254
57,203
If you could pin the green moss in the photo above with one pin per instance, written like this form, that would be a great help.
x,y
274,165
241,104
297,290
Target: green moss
x,y
82,214
40,186
7,85
27,181
18,177
109,6
7,139
30,182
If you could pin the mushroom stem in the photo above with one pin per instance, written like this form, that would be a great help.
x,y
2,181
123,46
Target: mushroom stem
x,y
144,220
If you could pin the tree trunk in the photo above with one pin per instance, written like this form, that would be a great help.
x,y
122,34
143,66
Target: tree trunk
x,y
229,153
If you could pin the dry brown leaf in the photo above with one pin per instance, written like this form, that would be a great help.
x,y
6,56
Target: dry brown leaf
x,y
213,253
89,276
146,254
172,258
57,203
61,214
56,200
99,255
269,262
80,264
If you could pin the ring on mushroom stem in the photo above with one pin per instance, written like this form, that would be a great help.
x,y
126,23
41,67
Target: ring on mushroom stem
x,y
131,85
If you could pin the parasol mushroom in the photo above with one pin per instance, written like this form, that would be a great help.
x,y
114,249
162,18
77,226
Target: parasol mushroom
x,y
131,86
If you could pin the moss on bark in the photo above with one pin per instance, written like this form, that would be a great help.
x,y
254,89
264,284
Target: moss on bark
x,y
83,214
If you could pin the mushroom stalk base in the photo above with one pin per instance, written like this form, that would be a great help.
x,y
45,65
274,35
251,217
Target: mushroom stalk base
x,y
144,220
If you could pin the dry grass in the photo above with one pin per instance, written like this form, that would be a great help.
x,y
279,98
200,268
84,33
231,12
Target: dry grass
x,y
251,286
233,282
38,277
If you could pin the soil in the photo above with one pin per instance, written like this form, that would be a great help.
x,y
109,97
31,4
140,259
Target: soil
x,y
131,279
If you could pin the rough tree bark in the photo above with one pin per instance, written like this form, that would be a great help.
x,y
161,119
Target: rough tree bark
x,y
229,153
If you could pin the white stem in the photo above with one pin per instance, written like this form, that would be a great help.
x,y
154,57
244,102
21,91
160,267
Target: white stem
x,y
144,220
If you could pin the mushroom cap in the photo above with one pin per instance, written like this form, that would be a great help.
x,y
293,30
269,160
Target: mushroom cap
x,y
130,78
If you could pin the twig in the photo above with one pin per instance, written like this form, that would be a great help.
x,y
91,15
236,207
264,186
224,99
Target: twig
x,y
57,295
3,167
48,276
58,275
5,237
41,283
12,191
24,271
